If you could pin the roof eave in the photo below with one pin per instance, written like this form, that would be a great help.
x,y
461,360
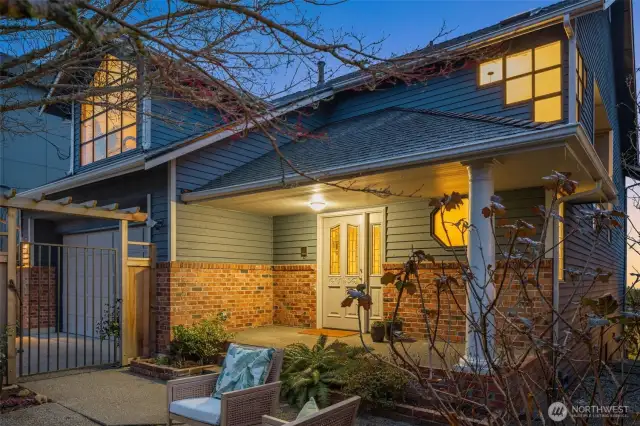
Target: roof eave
x,y
553,136
130,165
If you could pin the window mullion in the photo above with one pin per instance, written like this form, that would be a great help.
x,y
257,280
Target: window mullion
x,y
533,77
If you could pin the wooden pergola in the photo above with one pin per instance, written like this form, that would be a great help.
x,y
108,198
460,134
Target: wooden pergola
x,y
13,202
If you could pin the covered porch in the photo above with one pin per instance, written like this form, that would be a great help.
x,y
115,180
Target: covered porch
x,y
329,238
329,214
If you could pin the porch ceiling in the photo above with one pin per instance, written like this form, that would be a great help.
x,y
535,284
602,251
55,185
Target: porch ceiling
x,y
512,171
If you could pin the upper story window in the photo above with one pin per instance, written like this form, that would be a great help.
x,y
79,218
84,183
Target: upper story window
x,y
108,125
581,79
532,75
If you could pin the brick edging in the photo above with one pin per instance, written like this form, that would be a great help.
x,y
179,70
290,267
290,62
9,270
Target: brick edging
x,y
296,267
237,266
212,265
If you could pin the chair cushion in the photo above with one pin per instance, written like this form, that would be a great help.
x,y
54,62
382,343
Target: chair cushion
x,y
205,410
243,368
308,409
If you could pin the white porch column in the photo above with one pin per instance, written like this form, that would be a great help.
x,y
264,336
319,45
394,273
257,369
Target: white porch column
x,y
481,253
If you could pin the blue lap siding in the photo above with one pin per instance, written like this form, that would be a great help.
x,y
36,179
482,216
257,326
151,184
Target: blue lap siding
x,y
457,91
594,33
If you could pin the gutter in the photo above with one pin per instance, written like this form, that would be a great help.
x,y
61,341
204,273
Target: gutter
x,y
129,165
478,149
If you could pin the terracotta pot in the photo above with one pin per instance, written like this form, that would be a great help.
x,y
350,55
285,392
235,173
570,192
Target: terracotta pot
x,y
397,326
377,333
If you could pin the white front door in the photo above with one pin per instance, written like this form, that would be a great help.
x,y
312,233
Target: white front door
x,y
343,268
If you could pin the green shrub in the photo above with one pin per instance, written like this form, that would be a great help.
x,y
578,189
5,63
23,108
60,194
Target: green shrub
x,y
200,342
162,360
377,383
311,372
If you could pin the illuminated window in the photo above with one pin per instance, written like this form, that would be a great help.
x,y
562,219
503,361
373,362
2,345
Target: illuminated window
x,y
548,109
519,89
376,249
548,82
352,250
561,243
444,229
519,64
334,250
108,122
581,78
533,75
490,72
547,56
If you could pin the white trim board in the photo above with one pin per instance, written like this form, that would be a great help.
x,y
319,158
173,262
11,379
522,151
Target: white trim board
x,y
171,199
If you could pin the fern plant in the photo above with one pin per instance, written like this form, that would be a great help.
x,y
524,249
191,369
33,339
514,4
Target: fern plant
x,y
311,372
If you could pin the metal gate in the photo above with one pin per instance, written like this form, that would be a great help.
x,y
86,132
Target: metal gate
x,y
69,307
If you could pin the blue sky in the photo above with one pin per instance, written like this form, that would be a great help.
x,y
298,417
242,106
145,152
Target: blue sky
x,y
411,24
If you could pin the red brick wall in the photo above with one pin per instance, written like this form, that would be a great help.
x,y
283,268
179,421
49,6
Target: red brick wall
x,y
189,291
294,295
491,391
451,320
38,294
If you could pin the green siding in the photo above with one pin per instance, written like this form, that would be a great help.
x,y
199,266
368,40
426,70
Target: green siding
x,y
408,227
214,235
409,224
290,233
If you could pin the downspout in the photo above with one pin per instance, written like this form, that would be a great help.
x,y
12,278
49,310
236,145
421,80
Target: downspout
x,y
72,153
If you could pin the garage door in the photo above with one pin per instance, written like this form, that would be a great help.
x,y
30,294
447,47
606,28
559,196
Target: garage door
x,y
89,278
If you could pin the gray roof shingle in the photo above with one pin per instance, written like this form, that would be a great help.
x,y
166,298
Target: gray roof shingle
x,y
371,137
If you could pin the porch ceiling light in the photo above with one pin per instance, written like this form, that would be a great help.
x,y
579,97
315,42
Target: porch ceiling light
x,y
317,203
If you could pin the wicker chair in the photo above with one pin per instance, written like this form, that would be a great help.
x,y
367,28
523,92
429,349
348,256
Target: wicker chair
x,y
340,414
238,408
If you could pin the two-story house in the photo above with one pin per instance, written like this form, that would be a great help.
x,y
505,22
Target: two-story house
x,y
236,230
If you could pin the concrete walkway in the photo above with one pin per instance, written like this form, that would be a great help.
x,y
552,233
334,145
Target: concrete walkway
x,y
109,397
44,415
117,397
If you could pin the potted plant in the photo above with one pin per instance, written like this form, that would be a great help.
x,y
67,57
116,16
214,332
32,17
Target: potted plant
x,y
397,326
378,331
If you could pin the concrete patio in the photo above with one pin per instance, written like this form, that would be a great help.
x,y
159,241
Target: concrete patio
x,y
118,397
279,337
